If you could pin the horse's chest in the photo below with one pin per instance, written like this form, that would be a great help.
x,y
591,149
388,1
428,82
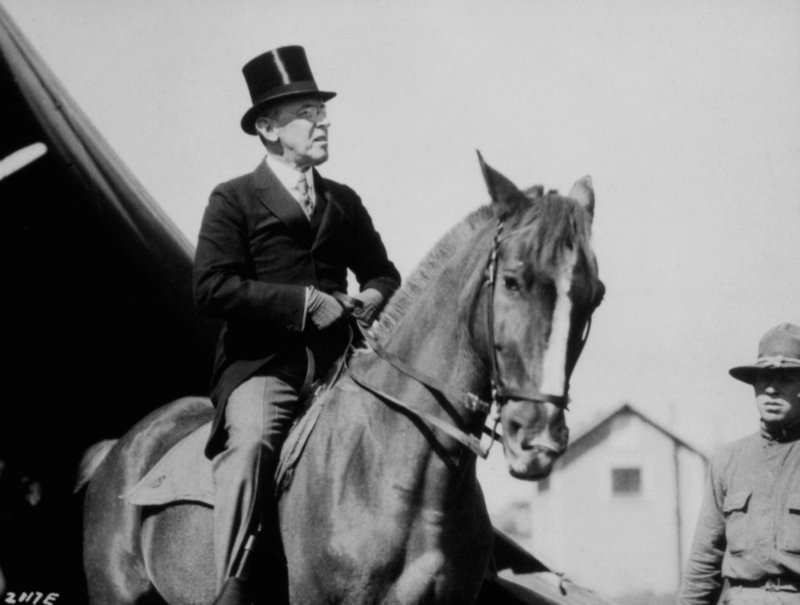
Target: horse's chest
x,y
406,560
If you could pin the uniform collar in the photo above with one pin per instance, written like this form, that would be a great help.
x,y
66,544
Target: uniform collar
x,y
781,434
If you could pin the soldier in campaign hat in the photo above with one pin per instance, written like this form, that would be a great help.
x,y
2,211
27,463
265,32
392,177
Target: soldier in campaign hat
x,y
748,533
272,258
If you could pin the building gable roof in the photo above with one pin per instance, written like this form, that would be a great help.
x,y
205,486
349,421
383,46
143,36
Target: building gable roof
x,y
602,429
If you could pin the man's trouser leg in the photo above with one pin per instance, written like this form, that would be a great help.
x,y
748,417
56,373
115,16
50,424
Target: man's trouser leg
x,y
257,417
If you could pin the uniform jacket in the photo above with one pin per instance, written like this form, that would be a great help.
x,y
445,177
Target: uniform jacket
x,y
257,253
749,524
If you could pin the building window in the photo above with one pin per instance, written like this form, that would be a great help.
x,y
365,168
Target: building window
x,y
626,481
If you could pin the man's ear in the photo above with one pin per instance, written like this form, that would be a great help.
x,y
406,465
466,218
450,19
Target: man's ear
x,y
266,128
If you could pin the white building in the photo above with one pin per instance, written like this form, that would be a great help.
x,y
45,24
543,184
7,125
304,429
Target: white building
x,y
618,512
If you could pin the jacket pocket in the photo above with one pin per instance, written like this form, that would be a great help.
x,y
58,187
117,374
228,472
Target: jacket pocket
x,y
735,510
790,536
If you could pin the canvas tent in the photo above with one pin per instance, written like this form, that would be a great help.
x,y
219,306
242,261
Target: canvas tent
x,y
100,327
99,321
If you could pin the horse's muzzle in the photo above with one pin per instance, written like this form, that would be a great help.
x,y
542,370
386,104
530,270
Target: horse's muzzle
x,y
533,464
534,437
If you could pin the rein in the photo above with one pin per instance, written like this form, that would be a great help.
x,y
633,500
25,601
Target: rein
x,y
469,400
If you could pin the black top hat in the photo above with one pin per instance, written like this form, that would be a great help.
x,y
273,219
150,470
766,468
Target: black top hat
x,y
278,73
779,348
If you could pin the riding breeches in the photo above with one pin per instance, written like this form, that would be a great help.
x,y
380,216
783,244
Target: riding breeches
x,y
258,416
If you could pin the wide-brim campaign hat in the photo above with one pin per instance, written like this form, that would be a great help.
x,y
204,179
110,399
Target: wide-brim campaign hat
x,y
779,348
277,74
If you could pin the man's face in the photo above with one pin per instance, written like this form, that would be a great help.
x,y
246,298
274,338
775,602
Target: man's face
x,y
301,126
777,396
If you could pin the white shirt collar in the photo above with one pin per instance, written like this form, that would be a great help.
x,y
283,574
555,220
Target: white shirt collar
x,y
289,176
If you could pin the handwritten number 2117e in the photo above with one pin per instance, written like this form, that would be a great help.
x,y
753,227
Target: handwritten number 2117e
x,y
31,598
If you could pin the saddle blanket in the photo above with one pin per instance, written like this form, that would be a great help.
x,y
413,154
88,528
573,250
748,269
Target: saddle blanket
x,y
185,474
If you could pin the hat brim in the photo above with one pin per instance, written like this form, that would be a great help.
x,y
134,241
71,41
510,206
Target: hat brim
x,y
248,122
749,373
746,374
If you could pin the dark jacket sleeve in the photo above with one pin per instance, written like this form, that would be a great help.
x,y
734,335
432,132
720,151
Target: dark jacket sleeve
x,y
225,283
369,260
702,580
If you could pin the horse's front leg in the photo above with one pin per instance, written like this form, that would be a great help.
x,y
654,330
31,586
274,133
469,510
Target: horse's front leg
x,y
453,555
425,580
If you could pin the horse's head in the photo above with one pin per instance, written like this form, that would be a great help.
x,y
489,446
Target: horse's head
x,y
545,290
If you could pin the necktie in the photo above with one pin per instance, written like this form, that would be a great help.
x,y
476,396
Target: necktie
x,y
304,196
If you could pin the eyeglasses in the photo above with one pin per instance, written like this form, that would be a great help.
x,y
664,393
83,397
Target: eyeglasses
x,y
313,113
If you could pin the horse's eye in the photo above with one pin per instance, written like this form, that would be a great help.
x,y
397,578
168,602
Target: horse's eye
x,y
511,283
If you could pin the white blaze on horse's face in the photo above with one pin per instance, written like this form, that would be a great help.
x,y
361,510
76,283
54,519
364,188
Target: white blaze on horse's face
x,y
546,289
533,331
554,367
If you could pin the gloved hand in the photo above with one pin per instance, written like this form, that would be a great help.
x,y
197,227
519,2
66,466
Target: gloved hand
x,y
371,304
323,309
349,303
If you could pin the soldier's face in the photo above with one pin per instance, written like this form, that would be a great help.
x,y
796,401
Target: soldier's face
x,y
301,126
778,396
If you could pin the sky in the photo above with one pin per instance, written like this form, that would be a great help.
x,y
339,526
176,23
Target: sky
x,y
685,114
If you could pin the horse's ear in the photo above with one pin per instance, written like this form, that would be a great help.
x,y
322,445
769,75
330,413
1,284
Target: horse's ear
x,y
503,192
583,193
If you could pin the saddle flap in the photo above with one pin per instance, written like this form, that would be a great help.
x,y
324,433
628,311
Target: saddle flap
x,y
183,473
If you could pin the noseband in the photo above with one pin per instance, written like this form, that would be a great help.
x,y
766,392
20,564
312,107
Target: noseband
x,y
501,394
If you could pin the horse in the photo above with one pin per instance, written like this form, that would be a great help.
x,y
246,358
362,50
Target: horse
x,y
384,505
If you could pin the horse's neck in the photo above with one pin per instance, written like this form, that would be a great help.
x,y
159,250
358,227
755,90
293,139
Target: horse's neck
x,y
434,336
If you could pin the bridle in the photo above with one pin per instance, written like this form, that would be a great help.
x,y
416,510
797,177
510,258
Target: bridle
x,y
500,394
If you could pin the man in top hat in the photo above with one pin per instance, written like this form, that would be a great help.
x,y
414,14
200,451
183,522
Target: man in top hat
x,y
272,258
748,533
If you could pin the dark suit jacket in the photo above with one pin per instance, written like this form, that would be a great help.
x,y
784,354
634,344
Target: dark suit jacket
x,y
256,254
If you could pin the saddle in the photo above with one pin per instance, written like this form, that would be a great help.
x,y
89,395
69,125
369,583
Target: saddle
x,y
184,474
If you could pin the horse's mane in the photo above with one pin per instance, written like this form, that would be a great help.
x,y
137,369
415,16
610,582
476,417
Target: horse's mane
x,y
428,269
545,227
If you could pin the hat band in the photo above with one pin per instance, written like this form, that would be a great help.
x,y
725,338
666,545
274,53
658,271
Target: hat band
x,y
778,361
287,89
